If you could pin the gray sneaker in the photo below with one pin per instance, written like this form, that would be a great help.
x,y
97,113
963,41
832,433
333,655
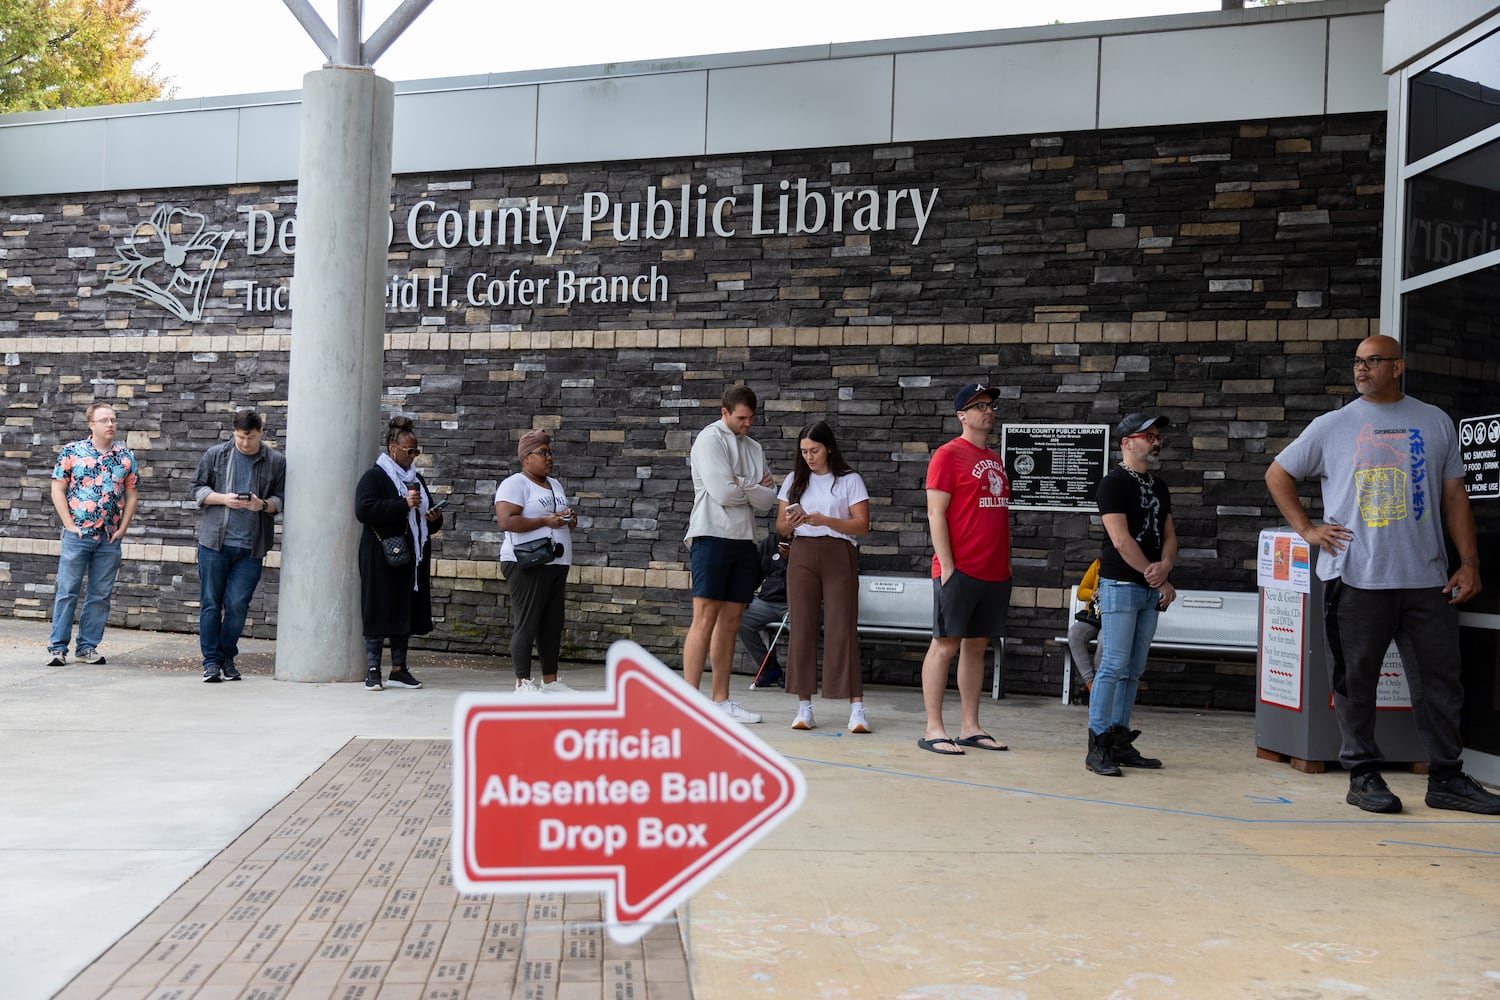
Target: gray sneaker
x,y
92,656
212,673
735,711
57,657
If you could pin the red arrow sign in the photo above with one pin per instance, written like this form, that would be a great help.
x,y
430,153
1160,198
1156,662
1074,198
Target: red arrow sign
x,y
644,791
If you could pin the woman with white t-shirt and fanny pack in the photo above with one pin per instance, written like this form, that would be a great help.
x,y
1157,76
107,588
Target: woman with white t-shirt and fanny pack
x,y
824,505
533,511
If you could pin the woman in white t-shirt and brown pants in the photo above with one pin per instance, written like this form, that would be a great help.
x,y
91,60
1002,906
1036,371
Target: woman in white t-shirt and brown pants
x,y
825,507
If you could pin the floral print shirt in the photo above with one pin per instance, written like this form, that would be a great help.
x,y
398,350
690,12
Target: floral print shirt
x,y
96,485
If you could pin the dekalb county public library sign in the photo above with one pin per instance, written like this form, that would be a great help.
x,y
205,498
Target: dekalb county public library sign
x,y
175,253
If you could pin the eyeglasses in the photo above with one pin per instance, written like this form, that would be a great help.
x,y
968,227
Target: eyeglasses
x,y
544,452
1151,436
410,452
980,406
1370,362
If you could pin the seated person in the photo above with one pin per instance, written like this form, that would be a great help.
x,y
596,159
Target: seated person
x,y
1081,632
766,611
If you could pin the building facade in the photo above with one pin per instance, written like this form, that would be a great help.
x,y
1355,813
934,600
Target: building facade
x,y
600,252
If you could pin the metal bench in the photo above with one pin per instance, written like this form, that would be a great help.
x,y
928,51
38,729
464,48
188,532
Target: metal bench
x,y
900,608
1199,621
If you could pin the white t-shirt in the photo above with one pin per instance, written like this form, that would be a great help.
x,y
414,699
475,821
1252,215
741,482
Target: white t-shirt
x,y
830,496
534,501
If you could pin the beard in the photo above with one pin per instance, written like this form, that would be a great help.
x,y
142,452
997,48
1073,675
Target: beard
x,y
1153,459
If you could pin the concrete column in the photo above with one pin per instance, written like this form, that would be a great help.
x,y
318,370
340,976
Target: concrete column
x,y
337,359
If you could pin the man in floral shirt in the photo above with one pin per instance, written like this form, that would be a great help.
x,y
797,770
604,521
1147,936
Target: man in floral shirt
x,y
93,490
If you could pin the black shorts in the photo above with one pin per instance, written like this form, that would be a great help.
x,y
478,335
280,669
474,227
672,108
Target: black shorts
x,y
725,569
969,608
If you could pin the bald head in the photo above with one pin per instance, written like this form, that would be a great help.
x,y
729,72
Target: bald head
x,y
1381,346
1377,369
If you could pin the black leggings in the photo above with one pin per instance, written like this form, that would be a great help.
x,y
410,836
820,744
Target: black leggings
x,y
373,644
536,615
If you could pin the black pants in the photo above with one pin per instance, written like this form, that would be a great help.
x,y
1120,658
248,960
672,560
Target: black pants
x,y
536,614
1360,625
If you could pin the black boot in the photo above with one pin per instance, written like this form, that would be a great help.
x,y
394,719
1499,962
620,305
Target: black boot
x,y
1099,760
1125,754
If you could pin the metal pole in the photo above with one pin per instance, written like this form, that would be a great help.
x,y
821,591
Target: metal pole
x,y
401,18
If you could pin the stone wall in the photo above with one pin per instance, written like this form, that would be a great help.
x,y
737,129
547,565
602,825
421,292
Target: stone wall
x,y
1217,273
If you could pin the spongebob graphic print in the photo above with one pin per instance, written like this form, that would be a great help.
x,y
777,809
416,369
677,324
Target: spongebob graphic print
x,y
1382,479
1381,467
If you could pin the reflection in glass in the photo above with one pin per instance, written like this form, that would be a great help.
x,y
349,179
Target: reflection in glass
x,y
1456,98
1453,211
1451,339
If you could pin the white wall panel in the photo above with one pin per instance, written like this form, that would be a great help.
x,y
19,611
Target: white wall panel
x,y
52,157
996,90
833,102
157,151
1355,80
269,138
621,118
1213,74
464,129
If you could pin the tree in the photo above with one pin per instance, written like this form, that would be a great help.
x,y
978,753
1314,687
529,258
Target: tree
x,y
74,54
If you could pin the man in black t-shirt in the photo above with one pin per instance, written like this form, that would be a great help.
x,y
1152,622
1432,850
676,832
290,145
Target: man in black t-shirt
x,y
1133,566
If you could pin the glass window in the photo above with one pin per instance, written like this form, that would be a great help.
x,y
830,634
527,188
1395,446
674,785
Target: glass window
x,y
1456,98
1453,211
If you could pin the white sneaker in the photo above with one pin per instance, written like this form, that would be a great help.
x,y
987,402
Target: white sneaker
x,y
738,714
555,687
525,685
804,719
857,721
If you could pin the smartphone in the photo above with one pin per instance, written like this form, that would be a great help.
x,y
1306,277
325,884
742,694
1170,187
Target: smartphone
x,y
243,496
793,509
440,504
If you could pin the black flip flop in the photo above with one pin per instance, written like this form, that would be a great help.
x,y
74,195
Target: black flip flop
x,y
973,741
932,747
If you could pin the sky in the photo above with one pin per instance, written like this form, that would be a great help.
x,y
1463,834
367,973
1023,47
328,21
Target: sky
x,y
264,48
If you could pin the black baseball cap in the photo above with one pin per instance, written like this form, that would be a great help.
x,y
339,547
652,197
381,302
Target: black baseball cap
x,y
973,391
1134,423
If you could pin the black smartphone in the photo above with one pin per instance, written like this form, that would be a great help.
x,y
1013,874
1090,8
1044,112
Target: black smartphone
x,y
440,504
243,496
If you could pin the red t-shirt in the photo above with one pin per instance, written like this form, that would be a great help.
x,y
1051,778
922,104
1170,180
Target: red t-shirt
x,y
979,513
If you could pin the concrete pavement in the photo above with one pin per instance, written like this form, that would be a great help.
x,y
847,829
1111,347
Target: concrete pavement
x,y
994,876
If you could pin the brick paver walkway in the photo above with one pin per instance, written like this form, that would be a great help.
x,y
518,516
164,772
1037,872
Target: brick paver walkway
x,y
342,891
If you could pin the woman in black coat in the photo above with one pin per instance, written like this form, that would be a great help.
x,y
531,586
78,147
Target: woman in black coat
x,y
395,601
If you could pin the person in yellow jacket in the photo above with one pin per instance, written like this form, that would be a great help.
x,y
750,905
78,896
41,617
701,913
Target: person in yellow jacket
x,y
1085,628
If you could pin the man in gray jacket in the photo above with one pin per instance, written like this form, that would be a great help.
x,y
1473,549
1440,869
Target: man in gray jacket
x,y
730,483
238,487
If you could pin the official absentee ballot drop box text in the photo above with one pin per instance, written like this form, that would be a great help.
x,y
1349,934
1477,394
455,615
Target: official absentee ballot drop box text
x,y
1294,702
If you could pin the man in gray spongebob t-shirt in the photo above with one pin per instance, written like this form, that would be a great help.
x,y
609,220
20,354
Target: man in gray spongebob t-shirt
x,y
1392,479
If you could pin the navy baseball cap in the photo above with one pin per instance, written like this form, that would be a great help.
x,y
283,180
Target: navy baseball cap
x,y
973,391
1134,423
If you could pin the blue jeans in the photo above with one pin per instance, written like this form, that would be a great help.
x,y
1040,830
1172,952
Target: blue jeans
x,y
226,582
1128,612
99,560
